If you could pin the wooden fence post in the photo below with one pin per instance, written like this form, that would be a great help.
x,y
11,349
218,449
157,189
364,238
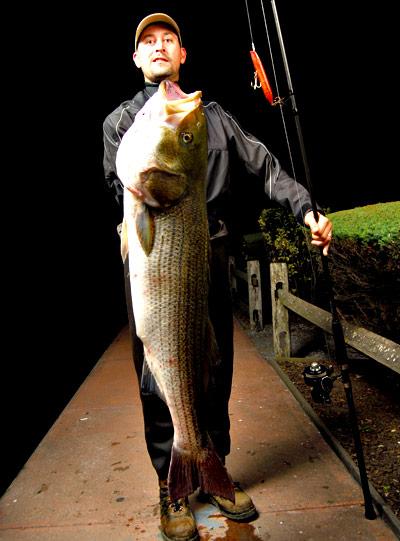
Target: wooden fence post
x,y
280,314
255,296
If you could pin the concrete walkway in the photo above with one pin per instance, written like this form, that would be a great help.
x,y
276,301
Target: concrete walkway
x,y
90,479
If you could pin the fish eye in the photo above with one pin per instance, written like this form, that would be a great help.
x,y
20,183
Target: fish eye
x,y
187,137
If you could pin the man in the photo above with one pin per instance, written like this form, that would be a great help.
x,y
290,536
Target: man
x,y
159,54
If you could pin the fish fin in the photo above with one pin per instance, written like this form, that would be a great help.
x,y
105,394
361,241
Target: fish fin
x,y
148,383
123,233
187,473
145,228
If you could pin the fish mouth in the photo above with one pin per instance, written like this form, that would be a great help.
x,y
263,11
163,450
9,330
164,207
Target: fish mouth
x,y
161,187
177,104
178,100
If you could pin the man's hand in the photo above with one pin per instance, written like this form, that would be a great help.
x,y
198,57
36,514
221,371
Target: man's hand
x,y
321,231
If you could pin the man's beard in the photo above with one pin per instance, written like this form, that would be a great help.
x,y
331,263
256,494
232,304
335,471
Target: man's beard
x,y
160,75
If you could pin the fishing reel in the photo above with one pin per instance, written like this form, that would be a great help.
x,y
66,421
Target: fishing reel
x,y
319,377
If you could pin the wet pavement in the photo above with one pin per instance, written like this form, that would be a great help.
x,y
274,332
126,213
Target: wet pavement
x,y
90,479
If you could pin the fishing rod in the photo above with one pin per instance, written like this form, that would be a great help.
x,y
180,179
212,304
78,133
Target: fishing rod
x,y
337,329
261,81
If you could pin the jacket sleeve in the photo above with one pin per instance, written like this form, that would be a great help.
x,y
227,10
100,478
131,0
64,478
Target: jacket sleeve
x,y
258,160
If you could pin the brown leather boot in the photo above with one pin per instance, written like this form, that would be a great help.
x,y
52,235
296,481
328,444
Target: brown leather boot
x,y
177,520
243,508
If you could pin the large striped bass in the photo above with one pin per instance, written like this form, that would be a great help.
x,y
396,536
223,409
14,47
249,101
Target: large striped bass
x,y
162,163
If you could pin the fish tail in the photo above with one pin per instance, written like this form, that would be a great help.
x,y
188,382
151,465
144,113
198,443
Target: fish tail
x,y
214,478
187,473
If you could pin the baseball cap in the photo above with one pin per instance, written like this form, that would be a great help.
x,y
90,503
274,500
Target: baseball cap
x,y
157,18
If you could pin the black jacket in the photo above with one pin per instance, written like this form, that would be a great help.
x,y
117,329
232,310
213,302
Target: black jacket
x,y
224,136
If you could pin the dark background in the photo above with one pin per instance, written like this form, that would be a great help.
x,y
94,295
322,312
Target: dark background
x,y
64,300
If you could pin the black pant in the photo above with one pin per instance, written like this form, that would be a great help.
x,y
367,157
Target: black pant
x,y
158,426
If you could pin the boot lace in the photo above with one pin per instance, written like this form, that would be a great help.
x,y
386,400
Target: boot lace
x,y
177,505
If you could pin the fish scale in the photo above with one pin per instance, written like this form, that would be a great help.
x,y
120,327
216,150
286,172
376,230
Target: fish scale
x,y
178,263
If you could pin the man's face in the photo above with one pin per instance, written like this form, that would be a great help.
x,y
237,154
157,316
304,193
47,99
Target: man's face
x,y
159,54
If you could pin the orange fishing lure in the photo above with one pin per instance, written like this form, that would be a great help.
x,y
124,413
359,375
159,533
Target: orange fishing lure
x,y
261,76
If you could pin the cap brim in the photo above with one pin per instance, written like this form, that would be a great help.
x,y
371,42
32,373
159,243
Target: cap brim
x,y
153,19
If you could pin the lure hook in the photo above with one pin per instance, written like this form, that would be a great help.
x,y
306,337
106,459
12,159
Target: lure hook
x,y
256,83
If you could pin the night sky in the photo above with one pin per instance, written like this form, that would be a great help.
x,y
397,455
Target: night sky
x,y
73,67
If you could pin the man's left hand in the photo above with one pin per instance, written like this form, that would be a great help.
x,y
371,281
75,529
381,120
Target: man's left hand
x,y
321,231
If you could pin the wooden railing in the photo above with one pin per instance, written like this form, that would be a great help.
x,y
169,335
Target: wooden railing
x,y
372,345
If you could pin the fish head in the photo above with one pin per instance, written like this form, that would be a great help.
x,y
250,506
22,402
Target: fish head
x,y
163,155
